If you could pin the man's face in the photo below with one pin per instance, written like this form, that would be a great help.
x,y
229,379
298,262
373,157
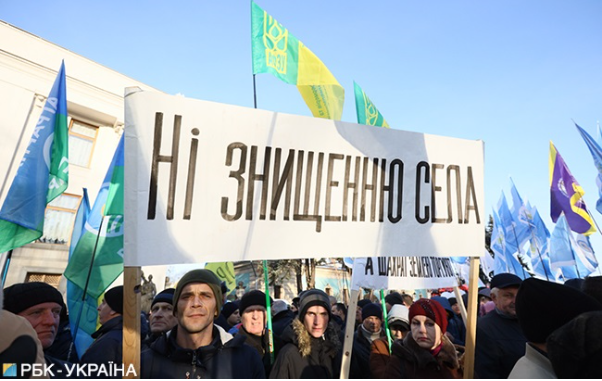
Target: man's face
x,y
372,324
253,319
505,300
105,313
456,308
335,311
234,318
162,318
44,318
196,308
316,321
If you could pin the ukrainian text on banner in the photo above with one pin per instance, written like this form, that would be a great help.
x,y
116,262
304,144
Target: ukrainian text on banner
x,y
394,273
207,181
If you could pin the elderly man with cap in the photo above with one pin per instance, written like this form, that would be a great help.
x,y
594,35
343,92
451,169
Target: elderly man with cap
x,y
253,317
40,304
313,348
500,339
195,347
365,334
539,316
108,343
161,319
425,352
19,344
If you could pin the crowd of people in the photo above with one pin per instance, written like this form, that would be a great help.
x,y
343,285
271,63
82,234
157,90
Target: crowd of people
x,y
525,329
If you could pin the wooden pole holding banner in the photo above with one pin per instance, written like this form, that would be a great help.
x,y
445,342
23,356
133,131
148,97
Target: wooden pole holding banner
x,y
131,320
349,331
461,304
471,324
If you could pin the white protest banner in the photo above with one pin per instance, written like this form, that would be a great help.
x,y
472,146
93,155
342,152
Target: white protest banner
x,y
391,273
211,182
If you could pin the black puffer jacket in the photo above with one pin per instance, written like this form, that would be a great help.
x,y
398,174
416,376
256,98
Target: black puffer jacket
x,y
225,357
307,357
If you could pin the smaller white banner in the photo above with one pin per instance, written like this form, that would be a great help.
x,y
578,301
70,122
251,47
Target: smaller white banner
x,y
392,273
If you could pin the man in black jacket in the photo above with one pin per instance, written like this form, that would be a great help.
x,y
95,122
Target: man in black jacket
x,y
500,339
312,349
195,347
370,330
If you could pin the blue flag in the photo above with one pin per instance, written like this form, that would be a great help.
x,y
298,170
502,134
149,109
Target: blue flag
x,y
596,152
539,245
562,256
86,319
43,173
507,222
519,216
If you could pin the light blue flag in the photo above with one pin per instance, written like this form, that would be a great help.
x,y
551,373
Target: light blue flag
x,y
538,249
498,245
584,254
519,216
507,222
562,256
596,152
82,322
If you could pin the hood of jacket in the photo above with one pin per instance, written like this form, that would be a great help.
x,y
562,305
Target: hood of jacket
x,y
300,337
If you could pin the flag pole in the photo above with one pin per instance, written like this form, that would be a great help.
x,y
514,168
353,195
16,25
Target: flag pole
x,y
81,310
5,265
268,311
518,248
254,93
386,319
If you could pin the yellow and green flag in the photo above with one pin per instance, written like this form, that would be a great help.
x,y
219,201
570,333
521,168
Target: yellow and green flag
x,y
367,113
277,52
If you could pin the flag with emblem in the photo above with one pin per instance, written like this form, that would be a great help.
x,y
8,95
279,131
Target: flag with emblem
x,y
277,52
103,237
566,196
43,173
366,111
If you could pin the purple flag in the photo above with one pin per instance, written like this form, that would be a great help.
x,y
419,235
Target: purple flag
x,y
566,196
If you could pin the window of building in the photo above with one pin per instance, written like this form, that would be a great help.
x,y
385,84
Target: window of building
x,y
59,219
82,137
51,279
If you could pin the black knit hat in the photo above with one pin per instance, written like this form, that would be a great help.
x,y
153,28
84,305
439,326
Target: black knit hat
x,y
165,296
313,297
229,308
394,298
372,309
362,302
538,311
200,276
21,296
114,298
252,298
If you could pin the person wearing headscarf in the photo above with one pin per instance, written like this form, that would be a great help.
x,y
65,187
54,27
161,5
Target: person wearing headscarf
x,y
425,352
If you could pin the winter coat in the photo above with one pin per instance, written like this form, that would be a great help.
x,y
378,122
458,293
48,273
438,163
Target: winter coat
x,y
224,357
409,360
534,364
500,343
304,356
107,345
360,355
281,321
379,357
261,345
62,347
19,342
